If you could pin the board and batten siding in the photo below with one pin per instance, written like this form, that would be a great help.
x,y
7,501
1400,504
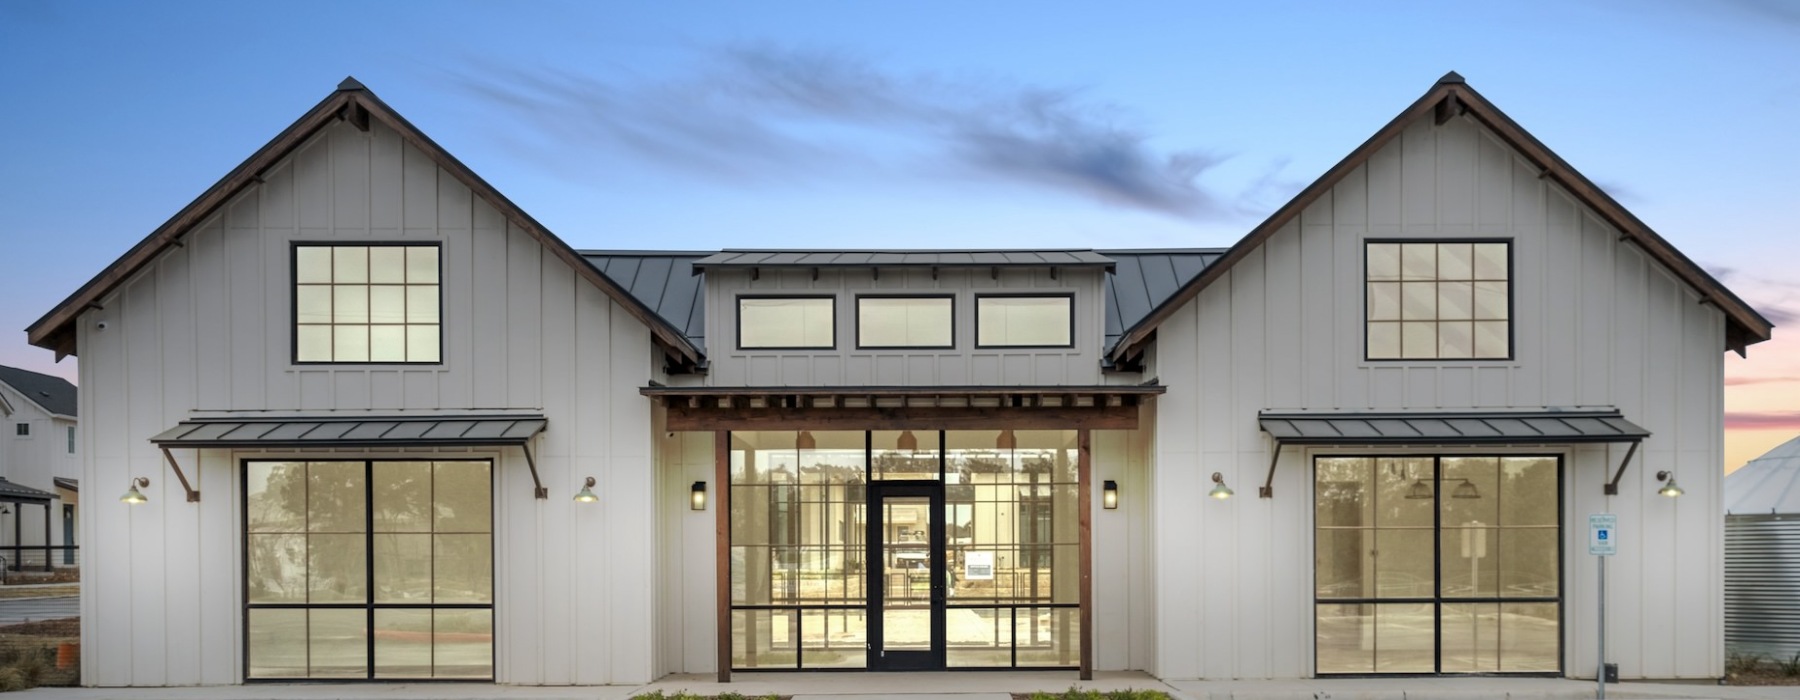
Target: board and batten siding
x,y
1596,323
207,328
962,365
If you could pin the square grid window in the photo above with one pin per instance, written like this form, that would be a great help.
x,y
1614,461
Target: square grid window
x,y
366,303
22,429
1439,300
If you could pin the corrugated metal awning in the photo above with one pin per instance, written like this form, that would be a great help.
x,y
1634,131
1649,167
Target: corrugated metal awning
x,y
909,258
15,493
361,431
1493,428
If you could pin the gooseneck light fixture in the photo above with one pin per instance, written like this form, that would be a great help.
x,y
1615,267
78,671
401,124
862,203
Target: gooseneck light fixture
x,y
1219,489
1669,488
1109,494
586,494
132,495
697,496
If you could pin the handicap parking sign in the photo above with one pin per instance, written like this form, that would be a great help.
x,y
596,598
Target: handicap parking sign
x,y
1602,534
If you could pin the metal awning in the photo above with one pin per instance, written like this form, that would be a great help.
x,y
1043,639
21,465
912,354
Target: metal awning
x,y
362,431
1494,428
1451,429
352,432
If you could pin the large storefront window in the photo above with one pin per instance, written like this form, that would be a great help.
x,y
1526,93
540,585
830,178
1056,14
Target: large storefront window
x,y
980,571
1429,564
369,569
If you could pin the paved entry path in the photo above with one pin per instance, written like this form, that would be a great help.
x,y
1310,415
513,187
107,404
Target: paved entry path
x,y
34,609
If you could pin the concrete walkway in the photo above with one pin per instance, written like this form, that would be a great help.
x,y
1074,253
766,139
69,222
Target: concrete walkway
x,y
978,685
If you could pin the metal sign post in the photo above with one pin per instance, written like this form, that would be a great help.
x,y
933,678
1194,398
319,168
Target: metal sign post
x,y
1603,542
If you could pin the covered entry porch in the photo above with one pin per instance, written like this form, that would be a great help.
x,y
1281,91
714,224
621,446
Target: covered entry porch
x,y
905,528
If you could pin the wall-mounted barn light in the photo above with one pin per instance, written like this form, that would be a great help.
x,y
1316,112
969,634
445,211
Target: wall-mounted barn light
x,y
1219,489
1109,494
133,496
586,494
1669,488
697,496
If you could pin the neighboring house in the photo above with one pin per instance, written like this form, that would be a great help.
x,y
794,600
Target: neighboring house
x,y
40,463
390,426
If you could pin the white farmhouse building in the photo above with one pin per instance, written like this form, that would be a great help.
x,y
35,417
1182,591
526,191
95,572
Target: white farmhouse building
x,y
389,426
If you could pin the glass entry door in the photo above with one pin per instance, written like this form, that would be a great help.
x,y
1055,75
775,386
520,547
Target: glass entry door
x,y
907,580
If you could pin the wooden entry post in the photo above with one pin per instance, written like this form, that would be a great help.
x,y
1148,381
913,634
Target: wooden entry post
x,y
722,546
1084,467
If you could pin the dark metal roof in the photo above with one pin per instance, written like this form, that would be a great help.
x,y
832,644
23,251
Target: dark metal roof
x,y
14,493
905,258
664,281
1492,428
54,394
362,431
63,482
1144,278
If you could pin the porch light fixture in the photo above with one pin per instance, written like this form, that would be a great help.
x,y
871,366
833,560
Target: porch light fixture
x,y
1109,494
1669,488
1006,441
133,496
697,496
806,441
1219,489
586,494
907,441
1418,491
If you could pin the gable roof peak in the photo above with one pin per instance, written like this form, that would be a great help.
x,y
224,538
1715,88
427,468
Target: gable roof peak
x,y
351,83
1452,78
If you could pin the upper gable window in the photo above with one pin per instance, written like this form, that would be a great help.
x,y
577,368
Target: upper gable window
x,y
22,429
905,322
367,303
1439,300
1025,321
787,323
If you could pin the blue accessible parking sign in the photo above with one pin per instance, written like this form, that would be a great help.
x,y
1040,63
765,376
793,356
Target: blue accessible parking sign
x,y
1602,534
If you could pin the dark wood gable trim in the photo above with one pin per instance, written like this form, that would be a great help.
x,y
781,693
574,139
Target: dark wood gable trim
x,y
1449,98
357,104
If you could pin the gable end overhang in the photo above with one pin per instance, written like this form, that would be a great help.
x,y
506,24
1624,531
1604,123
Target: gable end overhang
x,y
356,104
1449,98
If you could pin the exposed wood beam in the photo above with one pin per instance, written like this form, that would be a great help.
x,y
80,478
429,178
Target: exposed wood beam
x,y
722,551
1123,417
357,115
1084,470
1448,108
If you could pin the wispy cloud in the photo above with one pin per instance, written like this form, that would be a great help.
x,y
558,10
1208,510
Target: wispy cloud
x,y
1748,381
1763,420
754,112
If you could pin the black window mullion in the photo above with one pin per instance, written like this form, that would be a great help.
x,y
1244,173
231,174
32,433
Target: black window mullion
x,y
1437,563
369,558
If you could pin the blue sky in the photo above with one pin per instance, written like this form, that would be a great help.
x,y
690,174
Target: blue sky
x,y
927,124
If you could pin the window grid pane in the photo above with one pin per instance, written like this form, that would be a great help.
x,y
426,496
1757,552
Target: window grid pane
x,y
311,592
1437,301
365,303
1437,564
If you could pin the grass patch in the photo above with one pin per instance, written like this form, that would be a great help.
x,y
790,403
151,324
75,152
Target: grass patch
x,y
40,653
1074,693
9,592
1749,668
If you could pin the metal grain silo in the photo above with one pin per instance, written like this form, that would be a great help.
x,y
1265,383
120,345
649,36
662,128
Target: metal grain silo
x,y
1762,554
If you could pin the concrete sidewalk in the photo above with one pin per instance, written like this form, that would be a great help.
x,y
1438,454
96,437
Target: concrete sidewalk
x,y
952,686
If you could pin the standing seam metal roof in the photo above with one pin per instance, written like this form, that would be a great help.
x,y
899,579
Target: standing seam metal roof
x,y
662,280
909,258
1144,278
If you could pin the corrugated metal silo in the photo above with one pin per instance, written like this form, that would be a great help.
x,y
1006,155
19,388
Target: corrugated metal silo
x,y
1762,554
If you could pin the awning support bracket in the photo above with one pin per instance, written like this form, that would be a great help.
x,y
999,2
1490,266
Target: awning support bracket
x,y
1612,487
1267,490
531,461
192,495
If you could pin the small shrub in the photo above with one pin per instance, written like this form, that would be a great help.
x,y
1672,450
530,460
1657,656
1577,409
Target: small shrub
x,y
730,695
10,680
652,695
1135,694
1737,662
1789,666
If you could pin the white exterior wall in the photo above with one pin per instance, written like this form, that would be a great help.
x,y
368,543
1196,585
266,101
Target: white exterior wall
x,y
1596,323
206,329
35,461
962,365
